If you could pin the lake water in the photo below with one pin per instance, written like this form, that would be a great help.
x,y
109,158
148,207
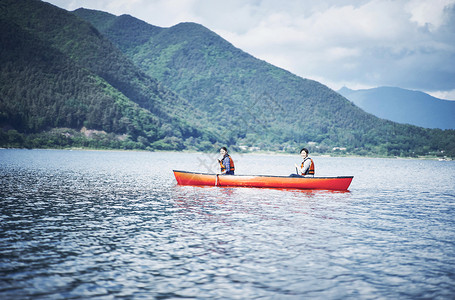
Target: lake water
x,y
104,225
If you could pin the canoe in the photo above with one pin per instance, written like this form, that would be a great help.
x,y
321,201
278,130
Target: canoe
x,y
264,181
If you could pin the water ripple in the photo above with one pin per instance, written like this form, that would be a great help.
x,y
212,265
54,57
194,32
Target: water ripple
x,y
113,225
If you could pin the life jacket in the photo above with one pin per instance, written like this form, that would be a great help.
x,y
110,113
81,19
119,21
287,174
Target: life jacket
x,y
231,164
310,170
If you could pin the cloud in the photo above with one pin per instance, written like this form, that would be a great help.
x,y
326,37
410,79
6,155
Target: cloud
x,y
429,13
376,43
368,43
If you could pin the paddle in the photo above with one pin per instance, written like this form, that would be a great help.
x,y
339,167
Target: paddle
x,y
216,180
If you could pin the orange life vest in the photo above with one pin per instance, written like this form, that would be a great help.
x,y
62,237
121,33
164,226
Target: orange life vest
x,y
231,164
310,170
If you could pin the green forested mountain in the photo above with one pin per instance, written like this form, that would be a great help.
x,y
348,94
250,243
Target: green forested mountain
x,y
259,104
59,72
92,79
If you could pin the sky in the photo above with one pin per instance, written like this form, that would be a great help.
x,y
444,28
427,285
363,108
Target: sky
x,y
354,43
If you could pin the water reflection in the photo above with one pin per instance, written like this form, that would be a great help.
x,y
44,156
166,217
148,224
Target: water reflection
x,y
115,224
232,205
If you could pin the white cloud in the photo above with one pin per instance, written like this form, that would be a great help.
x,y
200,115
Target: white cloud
x,y
429,13
447,95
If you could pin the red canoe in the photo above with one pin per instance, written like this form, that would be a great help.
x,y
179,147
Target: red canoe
x,y
264,181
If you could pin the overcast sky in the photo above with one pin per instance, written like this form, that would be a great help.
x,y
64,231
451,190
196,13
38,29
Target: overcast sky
x,y
354,43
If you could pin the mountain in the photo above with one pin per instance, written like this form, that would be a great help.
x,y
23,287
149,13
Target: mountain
x,y
404,106
259,105
58,71
91,79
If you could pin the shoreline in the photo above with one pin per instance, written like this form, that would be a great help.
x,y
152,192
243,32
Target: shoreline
x,y
265,153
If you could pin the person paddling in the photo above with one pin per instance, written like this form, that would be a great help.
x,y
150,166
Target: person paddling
x,y
226,163
307,166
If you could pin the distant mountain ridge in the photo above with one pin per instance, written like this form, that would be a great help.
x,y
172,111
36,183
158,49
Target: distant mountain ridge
x,y
404,106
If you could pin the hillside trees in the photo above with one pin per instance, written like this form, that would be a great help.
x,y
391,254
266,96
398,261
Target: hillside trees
x,y
128,84
276,107
58,71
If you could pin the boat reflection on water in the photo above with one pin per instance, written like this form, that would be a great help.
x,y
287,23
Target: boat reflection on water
x,y
225,204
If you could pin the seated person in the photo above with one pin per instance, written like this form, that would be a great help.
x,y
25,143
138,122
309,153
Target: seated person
x,y
307,166
226,163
